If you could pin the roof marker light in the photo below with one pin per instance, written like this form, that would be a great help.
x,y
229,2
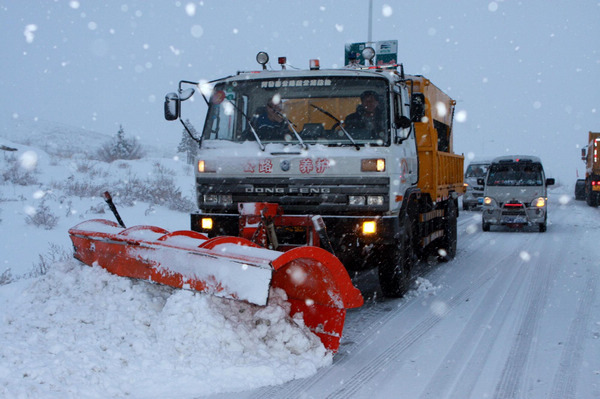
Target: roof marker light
x,y
282,61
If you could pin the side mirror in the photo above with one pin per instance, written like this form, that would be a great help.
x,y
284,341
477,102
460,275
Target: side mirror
x,y
417,107
550,182
402,122
481,181
172,106
583,154
186,94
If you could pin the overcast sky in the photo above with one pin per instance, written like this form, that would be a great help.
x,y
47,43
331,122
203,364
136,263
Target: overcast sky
x,y
525,73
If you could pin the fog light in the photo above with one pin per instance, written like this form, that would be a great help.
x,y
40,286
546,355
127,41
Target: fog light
x,y
207,223
369,228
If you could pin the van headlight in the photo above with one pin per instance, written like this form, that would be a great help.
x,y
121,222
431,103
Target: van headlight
x,y
539,202
489,201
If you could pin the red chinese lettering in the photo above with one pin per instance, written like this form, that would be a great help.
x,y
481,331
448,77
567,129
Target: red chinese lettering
x,y
265,166
306,165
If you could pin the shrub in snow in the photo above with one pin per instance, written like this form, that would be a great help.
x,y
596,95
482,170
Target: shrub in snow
x,y
6,277
159,189
43,217
15,173
55,254
120,147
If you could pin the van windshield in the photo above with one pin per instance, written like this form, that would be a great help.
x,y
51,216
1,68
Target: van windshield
x,y
515,174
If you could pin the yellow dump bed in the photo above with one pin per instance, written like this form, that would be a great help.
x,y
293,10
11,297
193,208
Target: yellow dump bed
x,y
440,170
593,154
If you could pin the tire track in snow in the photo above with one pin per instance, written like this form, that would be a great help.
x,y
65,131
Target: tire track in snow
x,y
482,328
510,383
565,380
362,377
379,315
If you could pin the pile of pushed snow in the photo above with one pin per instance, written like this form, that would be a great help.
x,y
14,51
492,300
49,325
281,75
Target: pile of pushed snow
x,y
79,331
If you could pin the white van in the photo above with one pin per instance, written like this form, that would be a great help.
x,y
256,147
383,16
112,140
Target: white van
x,y
515,193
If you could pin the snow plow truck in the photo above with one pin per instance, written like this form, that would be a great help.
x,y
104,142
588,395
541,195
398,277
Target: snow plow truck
x,y
303,177
590,155
386,191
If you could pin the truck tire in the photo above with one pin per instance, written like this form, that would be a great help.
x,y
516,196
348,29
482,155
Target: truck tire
x,y
450,232
485,226
395,263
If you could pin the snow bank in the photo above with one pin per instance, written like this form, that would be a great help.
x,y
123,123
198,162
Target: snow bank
x,y
79,331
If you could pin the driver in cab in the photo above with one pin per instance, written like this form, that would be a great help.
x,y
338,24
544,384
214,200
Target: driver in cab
x,y
367,121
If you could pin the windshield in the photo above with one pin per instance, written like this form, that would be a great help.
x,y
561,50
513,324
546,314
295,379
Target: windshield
x,y
515,174
313,107
477,170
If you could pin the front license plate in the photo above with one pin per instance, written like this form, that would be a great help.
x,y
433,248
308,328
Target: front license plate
x,y
515,219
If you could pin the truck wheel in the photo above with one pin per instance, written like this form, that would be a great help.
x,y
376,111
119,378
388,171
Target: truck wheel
x,y
542,227
396,263
450,234
485,226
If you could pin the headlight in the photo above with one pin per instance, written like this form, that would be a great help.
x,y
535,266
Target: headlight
x,y
204,167
222,199
356,200
375,200
211,198
372,165
225,199
539,203
488,201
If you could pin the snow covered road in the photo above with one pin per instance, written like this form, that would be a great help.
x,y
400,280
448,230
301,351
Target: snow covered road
x,y
516,314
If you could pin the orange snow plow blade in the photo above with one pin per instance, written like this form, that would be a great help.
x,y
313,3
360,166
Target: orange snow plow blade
x,y
315,281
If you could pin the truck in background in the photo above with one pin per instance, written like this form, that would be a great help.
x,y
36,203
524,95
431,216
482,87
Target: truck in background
x,y
473,197
590,155
386,191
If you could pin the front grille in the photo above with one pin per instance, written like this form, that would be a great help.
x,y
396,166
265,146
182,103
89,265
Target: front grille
x,y
295,195
513,209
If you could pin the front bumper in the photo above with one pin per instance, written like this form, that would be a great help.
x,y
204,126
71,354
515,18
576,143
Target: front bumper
x,y
341,229
524,216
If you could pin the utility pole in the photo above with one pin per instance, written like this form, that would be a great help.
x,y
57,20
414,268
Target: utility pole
x,y
370,24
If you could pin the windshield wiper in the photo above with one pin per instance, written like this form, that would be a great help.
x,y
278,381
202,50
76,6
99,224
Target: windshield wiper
x,y
291,125
260,144
339,123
